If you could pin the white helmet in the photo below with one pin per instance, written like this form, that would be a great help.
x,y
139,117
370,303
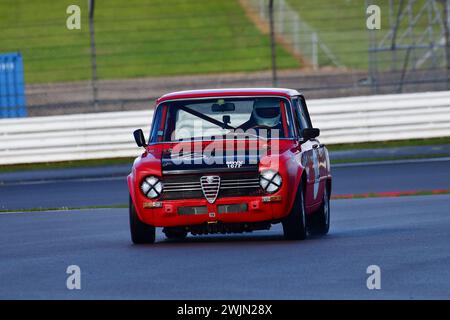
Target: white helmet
x,y
266,112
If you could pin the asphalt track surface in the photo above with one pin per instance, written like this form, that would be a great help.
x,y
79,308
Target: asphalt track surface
x,y
408,175
407,237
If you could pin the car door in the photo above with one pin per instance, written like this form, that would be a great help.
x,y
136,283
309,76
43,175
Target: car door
x,y
320,154
310,157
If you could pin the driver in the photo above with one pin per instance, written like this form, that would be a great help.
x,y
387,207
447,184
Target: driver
x,y
265,114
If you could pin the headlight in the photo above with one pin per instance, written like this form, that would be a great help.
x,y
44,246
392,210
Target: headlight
x,y
152,187
270,181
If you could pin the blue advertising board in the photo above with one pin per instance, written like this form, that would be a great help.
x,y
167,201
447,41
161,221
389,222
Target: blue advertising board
x,y
12,86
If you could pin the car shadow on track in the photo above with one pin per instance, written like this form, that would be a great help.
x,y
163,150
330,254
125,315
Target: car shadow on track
x,y
225,239
244,239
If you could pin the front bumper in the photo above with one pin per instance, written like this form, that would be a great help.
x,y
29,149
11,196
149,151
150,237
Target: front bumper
x,y
173,213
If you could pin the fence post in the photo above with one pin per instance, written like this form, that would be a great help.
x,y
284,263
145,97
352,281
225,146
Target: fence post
x,y
93,54
272,46
262,10
296,35
315,51
280,17
446,5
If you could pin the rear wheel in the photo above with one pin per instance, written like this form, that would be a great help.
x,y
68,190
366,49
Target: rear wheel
x,y
294,225
175,233
320,220
140,232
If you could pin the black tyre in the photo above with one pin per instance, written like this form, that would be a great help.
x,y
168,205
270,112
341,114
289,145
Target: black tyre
x,y
140,232
320,220
175,233
294,225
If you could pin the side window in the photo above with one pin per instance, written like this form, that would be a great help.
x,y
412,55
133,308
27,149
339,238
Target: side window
x,y
295,117
290,128
305,112
302,113
155,125
159,131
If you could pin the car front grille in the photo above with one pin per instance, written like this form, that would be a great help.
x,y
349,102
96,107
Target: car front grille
x,y
231,185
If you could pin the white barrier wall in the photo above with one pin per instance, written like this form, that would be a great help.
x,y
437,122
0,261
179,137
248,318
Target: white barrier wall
x,y
109,135
382,117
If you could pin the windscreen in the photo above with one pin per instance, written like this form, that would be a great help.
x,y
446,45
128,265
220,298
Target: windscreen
x,y
225,118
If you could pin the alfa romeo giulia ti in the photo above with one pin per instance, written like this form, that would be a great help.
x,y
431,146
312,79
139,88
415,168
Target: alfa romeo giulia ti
x,y
230,160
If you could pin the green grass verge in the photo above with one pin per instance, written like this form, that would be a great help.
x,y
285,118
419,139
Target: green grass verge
x,y
135,38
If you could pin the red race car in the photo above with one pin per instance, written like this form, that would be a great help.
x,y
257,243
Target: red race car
x,y
230,160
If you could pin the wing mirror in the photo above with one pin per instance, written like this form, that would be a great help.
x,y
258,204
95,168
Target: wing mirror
x,y
139,138
310,133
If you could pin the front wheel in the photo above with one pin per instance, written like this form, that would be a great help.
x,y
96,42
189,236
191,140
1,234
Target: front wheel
x,y
140,232
294,225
